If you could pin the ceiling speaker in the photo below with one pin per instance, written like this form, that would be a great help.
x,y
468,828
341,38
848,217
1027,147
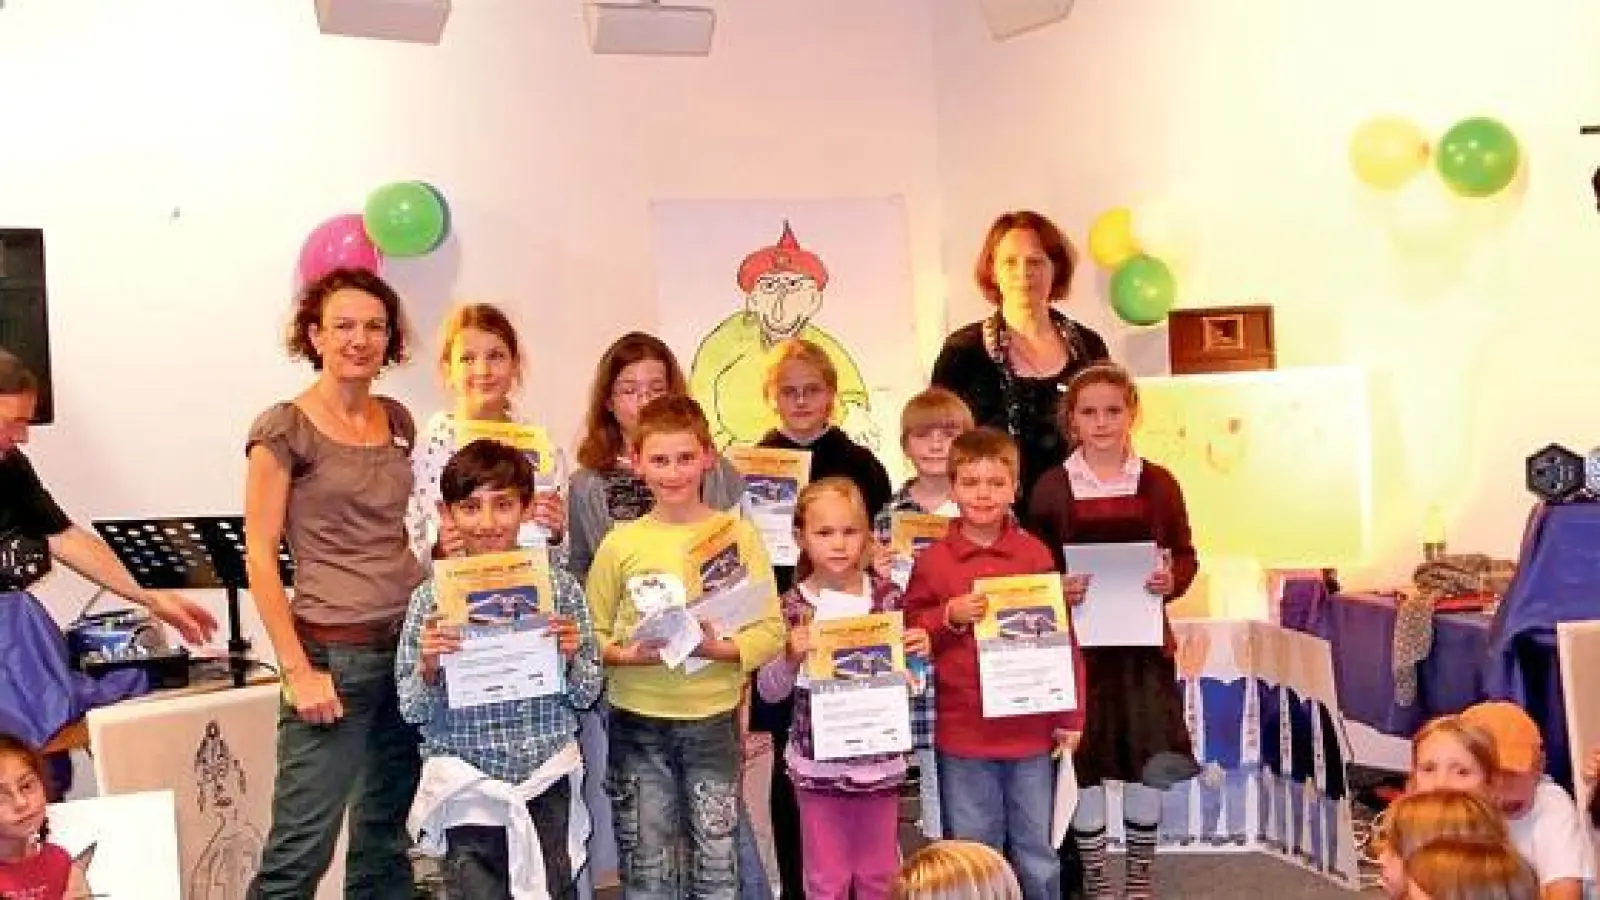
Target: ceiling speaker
x,y
1009,18
415,21
649,28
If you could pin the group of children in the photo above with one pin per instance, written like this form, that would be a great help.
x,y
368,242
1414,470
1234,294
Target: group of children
x,y
674,743
502,791
1480,819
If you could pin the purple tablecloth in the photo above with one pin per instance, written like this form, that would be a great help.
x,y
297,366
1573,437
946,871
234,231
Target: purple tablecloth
x,y
1359,629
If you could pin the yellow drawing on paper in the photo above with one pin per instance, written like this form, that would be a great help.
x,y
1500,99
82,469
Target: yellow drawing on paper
x,y
783,287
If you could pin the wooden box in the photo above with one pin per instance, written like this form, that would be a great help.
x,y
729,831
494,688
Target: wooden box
x,y
1221,339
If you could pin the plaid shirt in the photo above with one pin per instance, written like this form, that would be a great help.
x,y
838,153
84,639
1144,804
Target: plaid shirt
x,y
922,704
508,740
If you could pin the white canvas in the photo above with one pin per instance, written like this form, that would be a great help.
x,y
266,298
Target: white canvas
x,y
126,846
216,751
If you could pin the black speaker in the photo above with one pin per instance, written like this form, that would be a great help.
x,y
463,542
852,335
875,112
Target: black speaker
x,y
24,325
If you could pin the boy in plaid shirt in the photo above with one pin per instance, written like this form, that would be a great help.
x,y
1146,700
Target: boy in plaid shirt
x,y
477,755
929,422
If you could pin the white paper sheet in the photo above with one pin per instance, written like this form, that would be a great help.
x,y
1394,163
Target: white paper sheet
x,y
508,663
676,629
1066,800
1116,610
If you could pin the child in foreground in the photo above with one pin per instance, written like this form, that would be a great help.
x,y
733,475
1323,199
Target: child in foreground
x,y
491,771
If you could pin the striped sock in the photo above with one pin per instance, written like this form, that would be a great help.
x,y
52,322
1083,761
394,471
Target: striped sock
x,y
1141,861
1092,852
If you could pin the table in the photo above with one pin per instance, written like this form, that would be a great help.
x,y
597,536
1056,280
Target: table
x,y
1359,629
75,735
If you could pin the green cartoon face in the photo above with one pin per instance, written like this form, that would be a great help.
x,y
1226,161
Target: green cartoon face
x,y
784,302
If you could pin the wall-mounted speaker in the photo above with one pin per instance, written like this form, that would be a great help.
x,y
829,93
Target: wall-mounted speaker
x,y
413,21
24,325
1009,18
649,28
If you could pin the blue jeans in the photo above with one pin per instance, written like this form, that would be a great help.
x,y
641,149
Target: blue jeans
x,y
366,761
1006,803
669,778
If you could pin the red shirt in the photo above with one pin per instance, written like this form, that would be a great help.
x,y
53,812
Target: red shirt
x,y
42,876
947,569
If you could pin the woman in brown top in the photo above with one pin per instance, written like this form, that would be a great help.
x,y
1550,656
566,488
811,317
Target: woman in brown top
x,y
331,470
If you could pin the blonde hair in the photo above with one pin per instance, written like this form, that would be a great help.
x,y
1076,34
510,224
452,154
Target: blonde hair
x,y
1417,819
956,870
985,443
1475,740
797,350
935,407
837,486
1099,373
1468,869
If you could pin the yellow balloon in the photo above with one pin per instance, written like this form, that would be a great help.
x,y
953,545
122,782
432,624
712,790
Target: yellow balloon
x,y
1111,240
1387,151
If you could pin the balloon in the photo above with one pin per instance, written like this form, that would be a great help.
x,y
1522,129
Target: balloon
x,y
1387,152
1478,157
405,218
444,232
1111,237
1164,229
1143,291
339,243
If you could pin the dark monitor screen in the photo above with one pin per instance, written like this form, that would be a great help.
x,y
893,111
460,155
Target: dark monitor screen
x,y
24,326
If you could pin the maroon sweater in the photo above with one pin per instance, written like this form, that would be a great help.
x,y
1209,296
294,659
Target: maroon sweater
x,y
1058,518
947,569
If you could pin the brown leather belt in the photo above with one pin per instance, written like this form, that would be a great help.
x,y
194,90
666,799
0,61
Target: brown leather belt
x,y
351,634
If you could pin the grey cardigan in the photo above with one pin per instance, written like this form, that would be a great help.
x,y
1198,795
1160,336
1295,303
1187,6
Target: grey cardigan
x,y
588,519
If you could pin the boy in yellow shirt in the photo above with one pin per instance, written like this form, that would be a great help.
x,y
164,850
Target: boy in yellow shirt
x,y
674,750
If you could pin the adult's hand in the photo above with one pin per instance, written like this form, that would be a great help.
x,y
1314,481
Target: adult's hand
x,y
193,621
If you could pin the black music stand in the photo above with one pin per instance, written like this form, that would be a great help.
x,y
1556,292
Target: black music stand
x,y
193,553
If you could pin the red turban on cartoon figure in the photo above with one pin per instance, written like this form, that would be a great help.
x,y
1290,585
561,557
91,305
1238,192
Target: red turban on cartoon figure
x,y
784,257
783,287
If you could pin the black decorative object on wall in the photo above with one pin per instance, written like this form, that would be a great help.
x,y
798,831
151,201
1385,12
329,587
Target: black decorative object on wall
x,y
24,324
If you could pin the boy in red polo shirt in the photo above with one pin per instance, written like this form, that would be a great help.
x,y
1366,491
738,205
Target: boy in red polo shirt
x,y
997,775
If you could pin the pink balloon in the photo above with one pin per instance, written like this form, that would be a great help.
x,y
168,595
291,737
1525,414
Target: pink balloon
x,y
339,243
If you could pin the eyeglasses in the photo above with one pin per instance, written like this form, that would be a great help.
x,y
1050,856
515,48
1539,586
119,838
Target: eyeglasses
x,y
628,390
803,392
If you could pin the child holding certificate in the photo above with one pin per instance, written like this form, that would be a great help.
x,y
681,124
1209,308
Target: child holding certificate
x,y
674,762
802,387
997,774
481,362
491,767
1135,733
849,807
913,518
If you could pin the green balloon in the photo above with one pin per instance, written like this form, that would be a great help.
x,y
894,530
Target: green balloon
x,y
1478,157
404,218
1143,290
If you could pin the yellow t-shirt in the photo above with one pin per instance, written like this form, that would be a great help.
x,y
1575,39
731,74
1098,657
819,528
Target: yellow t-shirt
x,y
648,545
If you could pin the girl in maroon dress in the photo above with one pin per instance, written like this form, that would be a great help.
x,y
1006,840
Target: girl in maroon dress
x,y
1134,732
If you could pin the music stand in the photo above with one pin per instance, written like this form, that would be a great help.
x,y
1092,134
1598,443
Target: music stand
x,y
193,553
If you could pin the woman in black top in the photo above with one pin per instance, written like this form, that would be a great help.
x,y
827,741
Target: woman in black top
x,y
1012,368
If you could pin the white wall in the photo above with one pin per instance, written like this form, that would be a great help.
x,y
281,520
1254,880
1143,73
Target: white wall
x,y
178,151
250,126
1242,111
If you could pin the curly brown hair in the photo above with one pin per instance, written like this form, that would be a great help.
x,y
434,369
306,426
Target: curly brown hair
x,y
1055,244
310,305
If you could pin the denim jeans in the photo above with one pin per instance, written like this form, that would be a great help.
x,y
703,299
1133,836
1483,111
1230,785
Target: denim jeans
x,y
366,762
668,778
1006,803
477,864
